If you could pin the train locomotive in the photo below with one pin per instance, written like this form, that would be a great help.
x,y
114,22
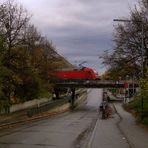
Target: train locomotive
x,y
81,73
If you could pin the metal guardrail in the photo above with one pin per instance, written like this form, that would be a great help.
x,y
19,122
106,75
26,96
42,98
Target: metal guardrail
x,y
48,106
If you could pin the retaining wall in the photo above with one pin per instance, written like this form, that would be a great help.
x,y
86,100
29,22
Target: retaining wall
x,y
28,104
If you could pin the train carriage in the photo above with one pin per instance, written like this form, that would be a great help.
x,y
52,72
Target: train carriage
x,y
76,73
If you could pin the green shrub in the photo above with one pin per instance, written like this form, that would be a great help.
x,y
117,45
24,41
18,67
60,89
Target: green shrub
x,y
145,121
135,105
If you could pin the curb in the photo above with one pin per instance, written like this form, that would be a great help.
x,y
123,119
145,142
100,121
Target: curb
x,y
92,135
131,145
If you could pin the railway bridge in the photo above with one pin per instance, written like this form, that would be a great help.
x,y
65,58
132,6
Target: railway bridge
x,y
73,84
94,84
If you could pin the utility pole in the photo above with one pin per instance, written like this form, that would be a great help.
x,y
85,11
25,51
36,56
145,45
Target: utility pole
x,y
142,53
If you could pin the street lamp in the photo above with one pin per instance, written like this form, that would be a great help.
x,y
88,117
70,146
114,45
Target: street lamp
x,y
142,53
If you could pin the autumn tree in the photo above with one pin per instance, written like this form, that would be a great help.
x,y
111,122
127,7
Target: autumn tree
x,y
127,54
13,19
26,57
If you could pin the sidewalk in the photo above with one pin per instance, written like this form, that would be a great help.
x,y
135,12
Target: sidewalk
x,y
114,98
120,131
137,136
107,135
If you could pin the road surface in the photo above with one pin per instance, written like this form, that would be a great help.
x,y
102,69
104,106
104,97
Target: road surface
x,y
69,130
82,128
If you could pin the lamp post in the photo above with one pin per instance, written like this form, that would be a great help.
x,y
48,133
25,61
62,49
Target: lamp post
x,y
142,53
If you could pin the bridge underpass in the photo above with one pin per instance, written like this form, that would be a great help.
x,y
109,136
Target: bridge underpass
x,y
73,84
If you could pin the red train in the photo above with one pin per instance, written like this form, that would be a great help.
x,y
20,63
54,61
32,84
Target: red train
x,y
76,73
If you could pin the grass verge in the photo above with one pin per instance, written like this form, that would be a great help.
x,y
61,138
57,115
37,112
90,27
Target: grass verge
x,y
135,107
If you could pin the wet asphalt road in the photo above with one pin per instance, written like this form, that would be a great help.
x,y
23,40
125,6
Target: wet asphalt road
x,y
69,130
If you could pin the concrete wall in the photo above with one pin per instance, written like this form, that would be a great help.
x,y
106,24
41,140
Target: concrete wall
x,y
28,104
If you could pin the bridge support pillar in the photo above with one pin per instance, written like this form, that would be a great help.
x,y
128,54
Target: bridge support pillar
x,y
73,98
56,92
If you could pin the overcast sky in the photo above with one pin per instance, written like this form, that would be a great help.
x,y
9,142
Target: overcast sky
x,y
80,29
